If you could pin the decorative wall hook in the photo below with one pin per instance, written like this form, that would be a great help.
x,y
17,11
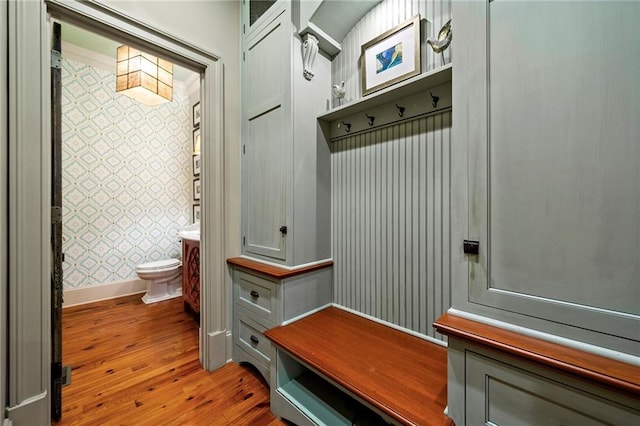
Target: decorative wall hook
x,y
309,52
347,126
370,119
400,110
434,100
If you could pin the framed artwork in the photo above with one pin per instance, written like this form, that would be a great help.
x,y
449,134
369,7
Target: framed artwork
x,y
196,213
196,164
196,141
391,57
196,189
196,114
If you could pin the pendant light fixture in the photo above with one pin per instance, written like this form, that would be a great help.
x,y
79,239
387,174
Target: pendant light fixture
x,y
144,77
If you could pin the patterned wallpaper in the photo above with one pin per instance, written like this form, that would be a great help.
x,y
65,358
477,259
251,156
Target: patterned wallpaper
x,y
126,178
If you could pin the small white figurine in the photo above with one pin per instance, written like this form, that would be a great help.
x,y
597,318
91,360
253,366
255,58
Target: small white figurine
x,y
440,44
338,90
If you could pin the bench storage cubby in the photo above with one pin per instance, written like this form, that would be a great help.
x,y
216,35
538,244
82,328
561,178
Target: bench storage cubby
x,y
335,367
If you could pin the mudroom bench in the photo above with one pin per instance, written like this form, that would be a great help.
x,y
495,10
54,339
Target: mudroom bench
x,y
334,367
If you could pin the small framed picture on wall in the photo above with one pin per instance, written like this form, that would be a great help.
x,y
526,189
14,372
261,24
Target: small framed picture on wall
x,y
196,114
196,189
196,213
196,164
196,141
391,57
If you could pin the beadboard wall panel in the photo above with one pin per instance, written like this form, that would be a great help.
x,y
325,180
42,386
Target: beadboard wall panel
x,y
384,16
390,216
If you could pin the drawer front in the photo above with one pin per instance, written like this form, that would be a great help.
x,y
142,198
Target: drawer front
x,y
256,295
250,338
502,394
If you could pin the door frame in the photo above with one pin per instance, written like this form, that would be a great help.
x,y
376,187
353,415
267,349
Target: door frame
x,y
4,198
29,37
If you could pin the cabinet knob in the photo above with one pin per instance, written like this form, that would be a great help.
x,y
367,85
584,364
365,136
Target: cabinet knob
x,y
255,293
254,340
283,229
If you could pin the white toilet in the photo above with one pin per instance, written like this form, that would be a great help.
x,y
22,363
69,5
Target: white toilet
x,y
164,279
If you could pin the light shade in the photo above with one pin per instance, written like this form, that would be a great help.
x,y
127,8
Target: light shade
x,y
144,77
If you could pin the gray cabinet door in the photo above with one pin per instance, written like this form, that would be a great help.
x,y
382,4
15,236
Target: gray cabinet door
x,y
502,394
267,138
549,108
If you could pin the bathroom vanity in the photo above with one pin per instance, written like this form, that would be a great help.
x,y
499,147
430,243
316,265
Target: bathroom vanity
x,y
191,275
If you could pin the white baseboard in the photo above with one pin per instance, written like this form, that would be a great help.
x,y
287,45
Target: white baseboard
x,y
95,293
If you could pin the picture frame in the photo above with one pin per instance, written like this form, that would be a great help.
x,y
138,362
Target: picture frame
x,y
391,57
196,114
196,213
196,164
196,141
196,189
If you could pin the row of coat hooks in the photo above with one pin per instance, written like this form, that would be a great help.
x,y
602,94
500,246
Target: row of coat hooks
x,y
371,119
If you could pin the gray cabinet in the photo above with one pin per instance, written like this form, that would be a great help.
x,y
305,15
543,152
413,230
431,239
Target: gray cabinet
x,y
545,176
261,302
546,168
503,390
285,166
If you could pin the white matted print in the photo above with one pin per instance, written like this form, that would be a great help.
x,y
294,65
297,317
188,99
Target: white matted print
x,y
196,213
196,164
196,189
391,57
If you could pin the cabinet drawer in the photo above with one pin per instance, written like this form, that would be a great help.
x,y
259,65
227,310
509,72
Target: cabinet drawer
x,y
256,295
250,338
503,394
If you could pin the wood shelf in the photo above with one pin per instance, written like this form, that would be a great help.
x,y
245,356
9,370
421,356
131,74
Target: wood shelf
x,y
603,370
418,83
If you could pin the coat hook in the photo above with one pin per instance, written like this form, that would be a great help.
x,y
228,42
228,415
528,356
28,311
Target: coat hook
x,y
400,110
370,118
347,126
434,100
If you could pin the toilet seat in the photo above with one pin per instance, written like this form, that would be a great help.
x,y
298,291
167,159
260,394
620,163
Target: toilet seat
x,y
159,265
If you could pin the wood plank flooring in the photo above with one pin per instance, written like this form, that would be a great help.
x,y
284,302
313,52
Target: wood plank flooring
x,y
137,364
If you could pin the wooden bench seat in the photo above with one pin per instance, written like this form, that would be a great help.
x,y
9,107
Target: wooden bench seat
x,y
400,375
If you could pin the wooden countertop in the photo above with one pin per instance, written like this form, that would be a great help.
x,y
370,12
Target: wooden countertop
x,y
604,370
401,375
275,271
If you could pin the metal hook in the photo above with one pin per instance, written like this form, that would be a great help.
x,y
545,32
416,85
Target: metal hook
x,y
434,100
400,110
347,126
370,119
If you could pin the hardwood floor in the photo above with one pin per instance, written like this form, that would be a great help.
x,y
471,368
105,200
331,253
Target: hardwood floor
x,y
137,364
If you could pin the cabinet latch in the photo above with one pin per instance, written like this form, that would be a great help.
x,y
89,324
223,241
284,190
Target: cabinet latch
x,y
471,247
283,229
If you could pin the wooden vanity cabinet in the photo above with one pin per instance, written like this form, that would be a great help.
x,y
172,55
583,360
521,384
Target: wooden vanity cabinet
x,y
191,275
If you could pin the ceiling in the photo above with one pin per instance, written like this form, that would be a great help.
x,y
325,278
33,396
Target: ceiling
x,y
107,47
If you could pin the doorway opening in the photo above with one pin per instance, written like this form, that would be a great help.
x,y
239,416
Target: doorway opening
x,y
212,335
130,179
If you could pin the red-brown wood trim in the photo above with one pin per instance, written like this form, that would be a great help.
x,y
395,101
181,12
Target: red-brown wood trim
x,y
594,367
399,374
274,271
